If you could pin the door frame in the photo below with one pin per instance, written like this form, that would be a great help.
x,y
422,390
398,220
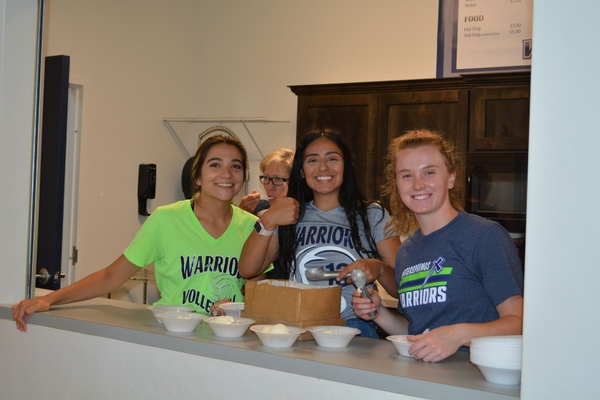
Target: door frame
x,y
71,196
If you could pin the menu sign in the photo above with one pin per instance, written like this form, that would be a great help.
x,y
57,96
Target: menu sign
x,y
493,34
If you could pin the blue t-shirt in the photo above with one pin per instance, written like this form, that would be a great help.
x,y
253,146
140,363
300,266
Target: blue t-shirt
x,y
459,273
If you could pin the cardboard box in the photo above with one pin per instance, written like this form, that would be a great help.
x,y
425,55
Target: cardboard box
x,y
292,303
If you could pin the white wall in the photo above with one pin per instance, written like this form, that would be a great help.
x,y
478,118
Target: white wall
x,y
18,42
134,61
561,350
143,60
98,368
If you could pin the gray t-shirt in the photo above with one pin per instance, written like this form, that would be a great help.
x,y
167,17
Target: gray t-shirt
x,y
325,241
459,273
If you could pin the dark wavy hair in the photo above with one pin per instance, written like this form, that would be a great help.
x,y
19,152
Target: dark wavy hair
x,y
350,196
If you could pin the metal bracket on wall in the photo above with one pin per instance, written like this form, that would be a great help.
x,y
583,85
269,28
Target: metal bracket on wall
x,y
245,121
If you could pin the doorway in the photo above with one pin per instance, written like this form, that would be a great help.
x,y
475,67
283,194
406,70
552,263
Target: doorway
x,y
69,239
58,270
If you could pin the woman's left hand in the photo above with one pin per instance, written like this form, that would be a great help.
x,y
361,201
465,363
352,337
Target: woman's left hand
x,y
216,310
437,344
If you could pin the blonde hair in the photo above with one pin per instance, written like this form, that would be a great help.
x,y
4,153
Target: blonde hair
x,y
282,156
403,220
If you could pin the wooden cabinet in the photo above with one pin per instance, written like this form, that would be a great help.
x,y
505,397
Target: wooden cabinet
x,y
444,111
355,116
502,121
487,112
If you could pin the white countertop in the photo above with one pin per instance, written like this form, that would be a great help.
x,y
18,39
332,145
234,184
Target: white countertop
x,y
365,362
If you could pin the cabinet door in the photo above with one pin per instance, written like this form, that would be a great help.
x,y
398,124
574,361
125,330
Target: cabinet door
x,y
355,117
444,111
500,118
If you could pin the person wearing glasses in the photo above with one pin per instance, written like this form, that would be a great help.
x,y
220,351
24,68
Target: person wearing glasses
x,y
275,171
275,174
325,222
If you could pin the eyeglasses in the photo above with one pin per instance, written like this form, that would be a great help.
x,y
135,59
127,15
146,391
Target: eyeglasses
x,y
275,180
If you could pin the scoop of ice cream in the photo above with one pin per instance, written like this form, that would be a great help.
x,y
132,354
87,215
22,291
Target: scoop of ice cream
x,y
279,328
183,317
329,330
224,319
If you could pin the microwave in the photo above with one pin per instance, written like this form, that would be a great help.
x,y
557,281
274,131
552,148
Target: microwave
x,y
497,188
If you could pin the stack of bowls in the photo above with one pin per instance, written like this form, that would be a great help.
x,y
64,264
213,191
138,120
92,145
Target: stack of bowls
x,y
498,358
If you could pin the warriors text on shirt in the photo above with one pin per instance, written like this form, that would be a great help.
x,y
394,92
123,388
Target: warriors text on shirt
x,y
311,235
199,264
223,272
423,296
424,283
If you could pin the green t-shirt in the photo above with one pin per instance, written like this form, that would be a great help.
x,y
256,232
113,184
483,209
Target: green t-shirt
x,y
191,267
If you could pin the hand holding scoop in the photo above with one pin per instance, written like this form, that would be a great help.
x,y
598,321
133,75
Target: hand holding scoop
x,y
360,281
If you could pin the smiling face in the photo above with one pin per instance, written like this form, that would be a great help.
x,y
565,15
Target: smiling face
x,y
323,168
423,182
272,170
222,173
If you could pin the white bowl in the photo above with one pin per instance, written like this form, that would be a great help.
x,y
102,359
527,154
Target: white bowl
x,y
500,376
234,329
278,340
506,363
161,309
501,352
498,339
334,337
233,309
180,321
402,344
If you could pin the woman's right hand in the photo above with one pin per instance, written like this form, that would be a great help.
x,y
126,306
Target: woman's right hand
x,y
283,211
97,284
250,201
27,308
216,309
363,307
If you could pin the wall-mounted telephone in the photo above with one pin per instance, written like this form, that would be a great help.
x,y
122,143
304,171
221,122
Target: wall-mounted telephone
x,y
146,186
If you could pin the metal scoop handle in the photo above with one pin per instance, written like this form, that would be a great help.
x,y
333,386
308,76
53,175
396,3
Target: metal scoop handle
x,y
360,281
320,274
365,293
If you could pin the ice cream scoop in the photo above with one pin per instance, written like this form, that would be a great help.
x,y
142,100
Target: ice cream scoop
x,y
277,328
320,274
360,281
223,319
